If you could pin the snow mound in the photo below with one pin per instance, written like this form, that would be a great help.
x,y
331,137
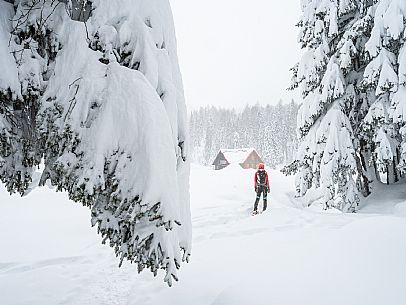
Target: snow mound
x,y
400,209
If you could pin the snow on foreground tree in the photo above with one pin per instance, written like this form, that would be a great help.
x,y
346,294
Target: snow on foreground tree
x,y
102,104
352,79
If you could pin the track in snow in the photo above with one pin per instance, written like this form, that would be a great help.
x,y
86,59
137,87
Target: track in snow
x,y
53,257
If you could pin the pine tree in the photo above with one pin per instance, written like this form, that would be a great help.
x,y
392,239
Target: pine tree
x,y
102,104
384,80
349,78
26,54
326,74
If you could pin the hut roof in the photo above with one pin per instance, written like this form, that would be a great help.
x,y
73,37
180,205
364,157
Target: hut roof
x,y
238,155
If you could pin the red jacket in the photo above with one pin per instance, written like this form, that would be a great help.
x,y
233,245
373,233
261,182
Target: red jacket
x,y
256,179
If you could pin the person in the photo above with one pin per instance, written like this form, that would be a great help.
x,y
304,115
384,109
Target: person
x,y
261,187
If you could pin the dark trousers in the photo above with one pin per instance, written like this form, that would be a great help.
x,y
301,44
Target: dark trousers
x,y
264,191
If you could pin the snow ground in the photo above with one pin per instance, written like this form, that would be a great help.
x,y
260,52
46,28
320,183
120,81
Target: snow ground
x,y
288,255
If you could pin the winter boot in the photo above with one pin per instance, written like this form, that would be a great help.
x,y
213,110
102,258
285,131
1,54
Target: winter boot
x,y
265,205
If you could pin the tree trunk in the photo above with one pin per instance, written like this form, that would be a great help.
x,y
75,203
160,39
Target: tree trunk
x,y
364,182
400,174
395,170
388,174
377,175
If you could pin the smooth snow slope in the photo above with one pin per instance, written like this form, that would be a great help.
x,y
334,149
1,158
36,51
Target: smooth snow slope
x,y
285,256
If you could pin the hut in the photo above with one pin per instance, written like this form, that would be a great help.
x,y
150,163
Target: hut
x,y
245,157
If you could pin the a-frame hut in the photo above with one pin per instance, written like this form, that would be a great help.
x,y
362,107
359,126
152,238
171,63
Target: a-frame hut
x,y
245,157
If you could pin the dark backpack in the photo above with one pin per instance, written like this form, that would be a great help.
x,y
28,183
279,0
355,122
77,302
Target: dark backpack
x,y
261,178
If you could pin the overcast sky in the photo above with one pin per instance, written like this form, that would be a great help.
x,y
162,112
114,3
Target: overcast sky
x,y
234,52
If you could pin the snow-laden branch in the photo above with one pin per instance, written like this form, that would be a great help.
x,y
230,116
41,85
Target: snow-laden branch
x,y
103,107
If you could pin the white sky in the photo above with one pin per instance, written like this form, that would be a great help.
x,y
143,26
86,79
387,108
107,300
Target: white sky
x,y
234,52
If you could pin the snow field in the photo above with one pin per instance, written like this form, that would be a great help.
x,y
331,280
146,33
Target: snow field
x,y
287,255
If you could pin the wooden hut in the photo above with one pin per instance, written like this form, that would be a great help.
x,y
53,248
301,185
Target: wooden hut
x,y
245,157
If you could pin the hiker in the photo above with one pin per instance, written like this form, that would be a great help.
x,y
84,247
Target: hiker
x,y
261,187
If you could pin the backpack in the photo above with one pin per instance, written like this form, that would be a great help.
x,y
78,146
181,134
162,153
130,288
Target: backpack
x,y
261,178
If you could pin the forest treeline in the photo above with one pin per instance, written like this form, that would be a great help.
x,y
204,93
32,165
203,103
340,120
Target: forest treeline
x,y
270,129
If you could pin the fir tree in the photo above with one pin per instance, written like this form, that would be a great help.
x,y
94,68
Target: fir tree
x,y
384,80
325,76
349,78
102,104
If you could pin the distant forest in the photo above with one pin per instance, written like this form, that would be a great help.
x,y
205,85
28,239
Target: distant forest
x,y
270,129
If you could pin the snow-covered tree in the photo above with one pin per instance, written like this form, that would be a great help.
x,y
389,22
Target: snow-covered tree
x,y
325,76
385,79
349,77
102,104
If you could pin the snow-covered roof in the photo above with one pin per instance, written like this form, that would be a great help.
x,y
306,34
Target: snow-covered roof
x,y
238,155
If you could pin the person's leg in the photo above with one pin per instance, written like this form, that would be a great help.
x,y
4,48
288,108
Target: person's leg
x,y
265,194
257,200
